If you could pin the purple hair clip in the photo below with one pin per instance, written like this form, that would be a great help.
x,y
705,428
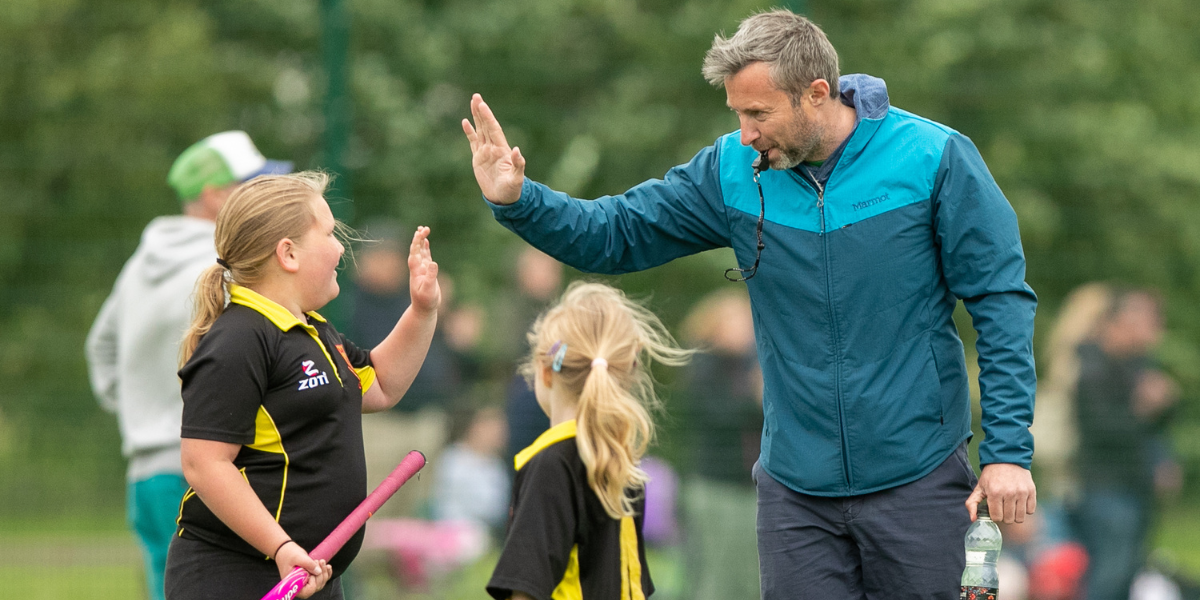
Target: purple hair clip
x,y
559,352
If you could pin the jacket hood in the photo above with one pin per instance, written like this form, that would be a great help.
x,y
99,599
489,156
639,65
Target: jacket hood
x,y
869,95
170,243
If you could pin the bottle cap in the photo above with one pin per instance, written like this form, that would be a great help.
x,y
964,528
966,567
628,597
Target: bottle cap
x,y
982,510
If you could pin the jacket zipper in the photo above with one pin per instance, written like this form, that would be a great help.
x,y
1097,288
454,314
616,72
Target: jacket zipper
x,y
837,382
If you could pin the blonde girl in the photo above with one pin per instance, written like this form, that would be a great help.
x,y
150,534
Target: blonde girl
x,y
575,527
273,396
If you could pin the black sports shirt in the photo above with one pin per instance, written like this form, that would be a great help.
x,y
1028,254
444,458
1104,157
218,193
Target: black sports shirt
x,y
290,393
561,543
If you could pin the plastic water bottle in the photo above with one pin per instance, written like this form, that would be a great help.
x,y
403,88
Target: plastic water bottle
x,y
980,580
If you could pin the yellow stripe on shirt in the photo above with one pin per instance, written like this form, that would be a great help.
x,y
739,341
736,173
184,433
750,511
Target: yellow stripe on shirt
x,y
268,439
558,433
570,588
631,563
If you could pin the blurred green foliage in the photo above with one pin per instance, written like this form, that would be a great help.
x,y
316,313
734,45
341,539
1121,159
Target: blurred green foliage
x,y
1087,111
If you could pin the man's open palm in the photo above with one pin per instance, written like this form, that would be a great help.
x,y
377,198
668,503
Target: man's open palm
x,y
499,169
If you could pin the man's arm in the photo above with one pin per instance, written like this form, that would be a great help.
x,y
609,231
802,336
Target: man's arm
x,y
101,348
984,265
649,225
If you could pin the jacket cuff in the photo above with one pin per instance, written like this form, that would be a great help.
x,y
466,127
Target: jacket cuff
x,y
1018,454
519,209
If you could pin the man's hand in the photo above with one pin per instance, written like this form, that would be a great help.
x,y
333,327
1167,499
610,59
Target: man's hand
x,y
500,170
1009,491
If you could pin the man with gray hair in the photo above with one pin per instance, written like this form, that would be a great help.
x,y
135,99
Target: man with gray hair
x,y
880,222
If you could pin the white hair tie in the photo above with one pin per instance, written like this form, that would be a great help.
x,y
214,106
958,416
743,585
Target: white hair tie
x,y
599,363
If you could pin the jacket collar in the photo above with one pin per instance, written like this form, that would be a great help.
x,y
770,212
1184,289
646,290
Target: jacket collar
x,y
273,311
554,435
870,99
868,95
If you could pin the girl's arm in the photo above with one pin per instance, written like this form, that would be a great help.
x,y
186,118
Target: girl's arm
x,y
398,358
520,596
208,467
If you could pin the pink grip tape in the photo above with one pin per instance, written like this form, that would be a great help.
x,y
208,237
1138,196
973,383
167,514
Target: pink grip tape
x,y
294,582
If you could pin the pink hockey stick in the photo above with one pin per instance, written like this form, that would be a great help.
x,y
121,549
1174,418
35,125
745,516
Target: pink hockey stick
x,y
294,582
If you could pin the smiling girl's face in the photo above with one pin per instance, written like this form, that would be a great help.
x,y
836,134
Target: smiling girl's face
x,y
319,252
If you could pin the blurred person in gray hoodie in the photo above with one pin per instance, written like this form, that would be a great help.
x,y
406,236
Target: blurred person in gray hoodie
x,y
133,347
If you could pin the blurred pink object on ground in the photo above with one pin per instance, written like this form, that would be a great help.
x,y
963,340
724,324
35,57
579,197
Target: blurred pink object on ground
x,y
423,550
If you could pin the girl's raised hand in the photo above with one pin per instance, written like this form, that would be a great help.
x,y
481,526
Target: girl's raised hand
x,y
422,273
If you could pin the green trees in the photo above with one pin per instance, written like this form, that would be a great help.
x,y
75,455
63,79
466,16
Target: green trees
x,y
1088,114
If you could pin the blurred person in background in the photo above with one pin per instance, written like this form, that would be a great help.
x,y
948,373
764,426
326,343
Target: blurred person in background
x,y
419,420
1055,425
1123,402
722,420
880,222
472,482
133,346
539,278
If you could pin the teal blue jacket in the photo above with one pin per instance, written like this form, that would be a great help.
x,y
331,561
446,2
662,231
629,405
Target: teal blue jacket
x,y
865,381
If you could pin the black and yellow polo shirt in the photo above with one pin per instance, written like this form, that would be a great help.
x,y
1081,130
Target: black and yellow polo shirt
x,y
561,545
290,393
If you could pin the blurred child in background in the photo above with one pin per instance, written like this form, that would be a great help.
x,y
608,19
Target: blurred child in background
x,y
471,483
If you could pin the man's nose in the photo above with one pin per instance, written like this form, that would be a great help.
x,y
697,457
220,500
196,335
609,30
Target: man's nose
x,y
749,132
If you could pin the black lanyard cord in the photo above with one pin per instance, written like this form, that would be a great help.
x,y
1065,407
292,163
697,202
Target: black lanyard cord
x,y
759,166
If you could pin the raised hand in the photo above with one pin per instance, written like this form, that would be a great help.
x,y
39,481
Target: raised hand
x,y
500,170
422,273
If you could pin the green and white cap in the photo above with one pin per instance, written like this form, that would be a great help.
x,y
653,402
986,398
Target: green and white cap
x,y
219,160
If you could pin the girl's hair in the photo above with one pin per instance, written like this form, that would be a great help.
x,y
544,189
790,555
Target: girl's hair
x,y
595,321
256,216
1081,315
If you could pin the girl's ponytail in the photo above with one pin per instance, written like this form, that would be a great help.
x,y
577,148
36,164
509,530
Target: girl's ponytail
x,y
613,432
209,300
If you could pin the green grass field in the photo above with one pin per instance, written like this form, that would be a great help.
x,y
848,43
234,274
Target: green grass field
x,y
100,561
90,564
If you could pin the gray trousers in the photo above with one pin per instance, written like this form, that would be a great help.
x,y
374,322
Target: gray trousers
x,y
903,542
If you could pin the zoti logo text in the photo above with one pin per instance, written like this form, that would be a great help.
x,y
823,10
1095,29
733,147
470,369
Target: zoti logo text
x,y
312,377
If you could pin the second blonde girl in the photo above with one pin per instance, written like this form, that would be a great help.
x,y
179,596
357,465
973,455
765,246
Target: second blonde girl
x,y
575,524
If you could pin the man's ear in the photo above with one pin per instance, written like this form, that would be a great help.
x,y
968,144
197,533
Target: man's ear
x,y
817,92
285,253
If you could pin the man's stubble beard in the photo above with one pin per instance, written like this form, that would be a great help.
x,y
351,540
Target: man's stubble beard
x,y
804,140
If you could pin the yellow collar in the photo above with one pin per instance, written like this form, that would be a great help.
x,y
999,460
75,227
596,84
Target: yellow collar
x,y
273,311
558,433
